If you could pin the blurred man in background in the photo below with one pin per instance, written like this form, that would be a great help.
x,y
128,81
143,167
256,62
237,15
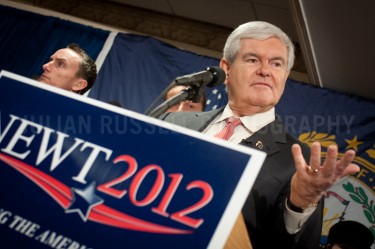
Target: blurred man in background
x,y
71,69
187,105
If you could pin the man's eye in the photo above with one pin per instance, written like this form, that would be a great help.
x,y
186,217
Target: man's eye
x,y
277,64
252,60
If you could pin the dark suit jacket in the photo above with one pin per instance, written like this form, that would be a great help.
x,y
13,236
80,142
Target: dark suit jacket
x,y
264,208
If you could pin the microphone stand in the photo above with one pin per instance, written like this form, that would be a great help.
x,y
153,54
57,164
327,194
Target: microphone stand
x,y
190,93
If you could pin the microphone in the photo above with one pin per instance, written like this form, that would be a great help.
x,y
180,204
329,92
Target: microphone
x,y
211,77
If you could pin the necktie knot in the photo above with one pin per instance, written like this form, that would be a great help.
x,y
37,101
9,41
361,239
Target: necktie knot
x,y
228,130
233,121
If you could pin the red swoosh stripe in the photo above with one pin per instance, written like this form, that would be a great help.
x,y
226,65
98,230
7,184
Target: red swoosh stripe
x,y
100,214
106,215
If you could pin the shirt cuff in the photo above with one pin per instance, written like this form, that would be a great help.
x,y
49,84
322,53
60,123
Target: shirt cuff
x,y
294,220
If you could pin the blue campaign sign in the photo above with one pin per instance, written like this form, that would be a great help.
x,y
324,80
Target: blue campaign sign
x,y
80,173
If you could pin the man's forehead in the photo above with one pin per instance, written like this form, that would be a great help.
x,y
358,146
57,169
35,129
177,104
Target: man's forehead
x,y
67,54
275,41
274,46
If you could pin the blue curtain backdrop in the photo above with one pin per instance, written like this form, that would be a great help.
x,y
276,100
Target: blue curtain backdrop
x,y
138,68
28,39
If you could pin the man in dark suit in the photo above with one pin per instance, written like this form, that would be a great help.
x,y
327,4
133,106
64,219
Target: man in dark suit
x,y
284,208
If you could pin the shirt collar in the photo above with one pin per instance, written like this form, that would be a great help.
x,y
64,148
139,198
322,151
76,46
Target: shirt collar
x,y
252,122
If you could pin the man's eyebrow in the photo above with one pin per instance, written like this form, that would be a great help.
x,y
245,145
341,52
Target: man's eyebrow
x,y
250,54
58,58
257,55
280,58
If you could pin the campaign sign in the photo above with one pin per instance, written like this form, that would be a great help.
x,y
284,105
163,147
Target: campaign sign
x,y
78,173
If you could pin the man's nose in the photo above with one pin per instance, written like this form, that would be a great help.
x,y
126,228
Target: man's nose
x,y
182,107
264,69
47,66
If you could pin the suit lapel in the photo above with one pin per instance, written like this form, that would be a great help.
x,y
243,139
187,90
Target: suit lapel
x,y
267,138
207,118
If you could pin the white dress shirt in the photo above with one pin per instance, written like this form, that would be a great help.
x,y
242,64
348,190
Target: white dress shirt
x,y
250,125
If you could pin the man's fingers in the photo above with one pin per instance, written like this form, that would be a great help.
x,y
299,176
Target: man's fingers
x,y
315,157
299,161
345,165
330,162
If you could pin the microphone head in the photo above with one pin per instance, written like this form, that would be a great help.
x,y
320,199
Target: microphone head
x,y
210,77
218,76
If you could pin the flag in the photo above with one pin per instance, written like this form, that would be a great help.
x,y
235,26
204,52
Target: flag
x,y
315,114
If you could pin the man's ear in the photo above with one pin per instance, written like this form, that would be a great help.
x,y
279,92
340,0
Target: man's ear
x,y
80,85
225,66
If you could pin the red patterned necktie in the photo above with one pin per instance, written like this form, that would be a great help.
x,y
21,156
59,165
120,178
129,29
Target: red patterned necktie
x,y
228,130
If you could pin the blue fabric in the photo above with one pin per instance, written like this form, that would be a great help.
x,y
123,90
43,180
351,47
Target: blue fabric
x,y
28,39
138,68
316,109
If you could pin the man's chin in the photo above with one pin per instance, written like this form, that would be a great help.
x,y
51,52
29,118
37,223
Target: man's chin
x,y
44,81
